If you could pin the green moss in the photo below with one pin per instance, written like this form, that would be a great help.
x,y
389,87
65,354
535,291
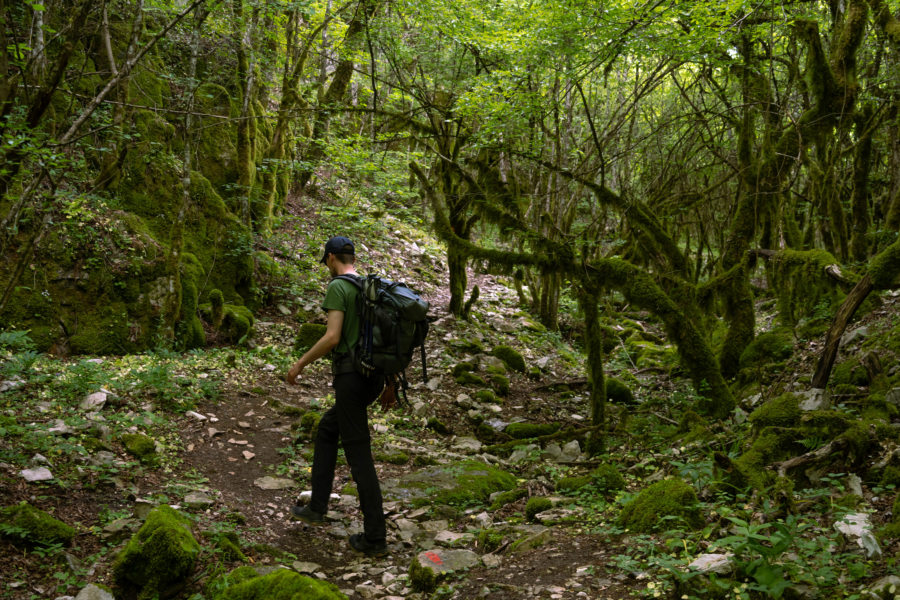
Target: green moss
x,y
825,424
606,477
884,268
281,584
486,397
229,546
890,476
238,322
422,579
511,357
217,308
500,383
488,540
504,498
618,392
772,346
771,445
667,498
568,485
140,446
394,458
783,411
437,426
468,378
463,367
309,334
850,372
523,431
802,283
537,505
309,422
162,552
474,482
33,526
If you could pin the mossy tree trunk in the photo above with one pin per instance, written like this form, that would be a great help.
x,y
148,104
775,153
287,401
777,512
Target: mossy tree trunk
x,y
593,342
246,143
634,283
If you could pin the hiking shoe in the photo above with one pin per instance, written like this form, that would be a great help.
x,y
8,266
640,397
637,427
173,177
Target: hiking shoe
x,y
359,543
307,515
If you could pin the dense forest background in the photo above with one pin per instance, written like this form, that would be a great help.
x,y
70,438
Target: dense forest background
x,y
731,168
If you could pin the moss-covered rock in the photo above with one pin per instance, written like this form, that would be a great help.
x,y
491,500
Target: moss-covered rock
x,y
537,505
463,367
783,411
161,553
487,397
309,334
618,392
309,422
500,384
667,498
508,497
511,357
458,484
140,446
523,431
468,378
421,578
606,477
437,426
25,523
771,445
394,458
245,583
850,372
772,346
569,485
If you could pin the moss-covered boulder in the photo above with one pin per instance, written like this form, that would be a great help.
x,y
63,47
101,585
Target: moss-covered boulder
x,y
468,378
245,583
162,553
511,357
537,505
772,346
524,431
851,372
783,411
607,478
309,334
459,484
140,446
486,397
649,510
771,445
463,367
618,392
569,485
500,384
23,522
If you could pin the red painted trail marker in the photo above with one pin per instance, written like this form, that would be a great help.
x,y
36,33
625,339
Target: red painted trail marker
x,y
434,558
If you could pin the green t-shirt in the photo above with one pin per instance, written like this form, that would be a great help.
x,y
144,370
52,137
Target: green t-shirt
x,y
341,295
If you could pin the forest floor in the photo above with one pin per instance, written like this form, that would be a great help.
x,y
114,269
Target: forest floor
x,y
227,426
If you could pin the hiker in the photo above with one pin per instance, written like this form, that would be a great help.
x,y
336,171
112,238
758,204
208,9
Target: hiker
x,y
346,421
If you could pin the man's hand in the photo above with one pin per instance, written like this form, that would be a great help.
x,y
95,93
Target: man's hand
x,y
294,372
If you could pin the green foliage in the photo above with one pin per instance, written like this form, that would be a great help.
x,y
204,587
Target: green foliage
x,y
140,446
508,497
281,584
783,411
802,282
772,346
606,477
569,485
309,334
661,502
618,392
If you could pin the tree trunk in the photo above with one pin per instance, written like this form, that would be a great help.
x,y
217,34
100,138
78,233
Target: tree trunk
x,y
593,338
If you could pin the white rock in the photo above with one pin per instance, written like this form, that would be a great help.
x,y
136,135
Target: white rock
x,y
269,367
198,500
467,445
195,415
37,474
491,561
306,568
94,401
712,563
483,520
284,310
893,397
274,483
10,384
571,451
247,454
857,526
433,384
814,399
92,592
451,538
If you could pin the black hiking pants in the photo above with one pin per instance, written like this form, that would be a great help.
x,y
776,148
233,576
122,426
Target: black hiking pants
x,y
347,422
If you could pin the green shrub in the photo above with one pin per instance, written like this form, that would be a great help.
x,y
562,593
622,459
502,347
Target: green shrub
x,y
308,335
607,477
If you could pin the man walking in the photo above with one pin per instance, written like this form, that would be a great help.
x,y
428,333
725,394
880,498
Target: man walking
x,y
347,421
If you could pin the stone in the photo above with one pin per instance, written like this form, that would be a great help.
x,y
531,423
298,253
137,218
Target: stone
x,y
368,591
103,458
571,451
419,409
491,561
556,515
436,525
60,428
94,401
306,568
856,526
434,383
858,334
893,397
451,538
118,530
553,452
442,560
198,500
535,540
274,483
36,474
39,459
520,454
93,592
195,415
467,445
284,310
713,563
483,520
885,588
814,399
247,455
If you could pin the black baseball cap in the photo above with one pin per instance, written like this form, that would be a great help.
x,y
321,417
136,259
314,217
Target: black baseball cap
x,y
338,245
